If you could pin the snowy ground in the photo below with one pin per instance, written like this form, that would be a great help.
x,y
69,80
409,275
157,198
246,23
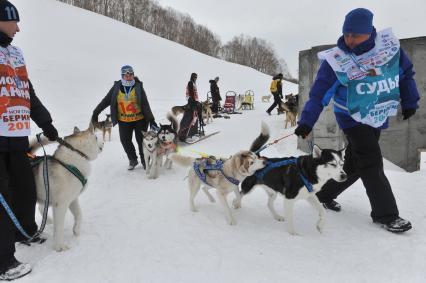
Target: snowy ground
x,y
140,230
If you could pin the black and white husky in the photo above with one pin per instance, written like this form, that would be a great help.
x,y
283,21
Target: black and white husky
x,y
298,178
167,137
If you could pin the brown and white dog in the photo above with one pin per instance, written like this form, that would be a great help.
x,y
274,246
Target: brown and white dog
x,y
233,170
177,110
105,127
207,111
290,107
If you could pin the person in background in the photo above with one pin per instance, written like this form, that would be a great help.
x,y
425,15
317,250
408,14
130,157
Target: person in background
x,y
368,75
130,109
17,184
276,89
192,97
214,90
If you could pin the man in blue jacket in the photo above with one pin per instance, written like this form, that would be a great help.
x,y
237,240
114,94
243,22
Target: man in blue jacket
x,y
367,75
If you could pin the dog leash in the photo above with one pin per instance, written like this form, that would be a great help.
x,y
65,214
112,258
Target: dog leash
x,y
272,143
46,203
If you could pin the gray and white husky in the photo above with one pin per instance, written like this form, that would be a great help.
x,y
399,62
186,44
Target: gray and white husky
x,y
78,150
151,153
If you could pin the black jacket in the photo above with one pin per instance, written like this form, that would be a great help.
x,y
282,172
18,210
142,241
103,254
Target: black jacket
x,y
214,90
111,100
39,115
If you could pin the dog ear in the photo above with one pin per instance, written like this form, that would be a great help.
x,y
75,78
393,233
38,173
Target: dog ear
x,y
91,127
316,151
76,130
343,152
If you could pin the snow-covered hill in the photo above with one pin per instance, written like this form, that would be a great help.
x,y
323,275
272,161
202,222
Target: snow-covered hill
x,y
140,230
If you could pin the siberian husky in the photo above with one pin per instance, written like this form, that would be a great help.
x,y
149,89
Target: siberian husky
x,y
234,170
207,112
77,150
167,137
151,153
177,110
292,181
105,126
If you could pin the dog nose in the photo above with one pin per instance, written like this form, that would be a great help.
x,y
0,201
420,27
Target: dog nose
x,y
343,176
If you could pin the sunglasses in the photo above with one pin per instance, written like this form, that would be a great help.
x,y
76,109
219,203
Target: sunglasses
x,y
128,73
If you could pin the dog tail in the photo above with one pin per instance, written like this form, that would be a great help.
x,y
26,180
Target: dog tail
x,y
172,118
35,145
261,139
182,160
247,184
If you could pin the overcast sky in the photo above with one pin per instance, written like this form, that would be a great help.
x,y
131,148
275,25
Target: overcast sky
x,y
297,25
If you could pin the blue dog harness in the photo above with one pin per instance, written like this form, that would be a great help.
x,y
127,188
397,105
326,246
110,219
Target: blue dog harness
x,y
260,174
201,165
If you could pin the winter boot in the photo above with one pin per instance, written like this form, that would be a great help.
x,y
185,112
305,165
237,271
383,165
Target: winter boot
x,y
398,225
132,164
332,205
14,270
37,240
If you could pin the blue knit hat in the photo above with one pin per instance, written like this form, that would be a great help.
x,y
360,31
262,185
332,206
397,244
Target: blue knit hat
x,y
358,21
8,12
126,69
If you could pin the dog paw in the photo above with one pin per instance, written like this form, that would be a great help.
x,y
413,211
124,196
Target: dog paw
x,y
76,230
320,226
279,218
193,209
236,204
61,247
293,232
232,221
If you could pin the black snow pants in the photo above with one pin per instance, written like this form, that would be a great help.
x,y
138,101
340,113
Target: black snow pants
x,y
126,130
17,185
363,159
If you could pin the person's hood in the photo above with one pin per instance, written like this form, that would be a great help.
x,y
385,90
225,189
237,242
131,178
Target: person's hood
x,y
360,49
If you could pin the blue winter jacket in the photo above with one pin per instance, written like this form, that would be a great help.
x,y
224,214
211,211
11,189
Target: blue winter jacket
x,y
326,83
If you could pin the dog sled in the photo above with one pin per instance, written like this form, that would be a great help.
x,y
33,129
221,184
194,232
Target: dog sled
x,y
191,130
248,100
230,103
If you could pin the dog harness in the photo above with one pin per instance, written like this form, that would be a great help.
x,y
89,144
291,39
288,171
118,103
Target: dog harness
x,y
272,165
201,165
72,169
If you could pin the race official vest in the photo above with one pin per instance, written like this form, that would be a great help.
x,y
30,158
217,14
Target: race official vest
x,y
372,79
188,93
128,107
14,94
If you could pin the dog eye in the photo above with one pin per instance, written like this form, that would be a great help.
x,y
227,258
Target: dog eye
x,y
332,164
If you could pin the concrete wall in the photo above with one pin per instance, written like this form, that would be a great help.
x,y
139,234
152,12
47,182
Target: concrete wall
x,y
401,142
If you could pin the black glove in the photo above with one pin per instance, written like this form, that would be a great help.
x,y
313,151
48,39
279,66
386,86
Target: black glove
x,y
407,113
94,118
50,132
302,131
